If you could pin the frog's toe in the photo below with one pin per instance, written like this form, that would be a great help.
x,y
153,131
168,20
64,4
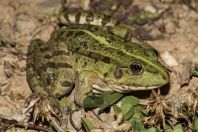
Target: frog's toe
x,y
43,107
46,108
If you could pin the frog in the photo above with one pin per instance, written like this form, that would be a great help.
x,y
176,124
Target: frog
x,y
92,53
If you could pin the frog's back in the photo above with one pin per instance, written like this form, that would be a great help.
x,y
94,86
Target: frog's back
x,y
104,21
100,44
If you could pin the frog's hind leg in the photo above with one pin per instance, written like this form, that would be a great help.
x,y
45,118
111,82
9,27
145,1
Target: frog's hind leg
x,y
87,18
58,71
43,105
31,74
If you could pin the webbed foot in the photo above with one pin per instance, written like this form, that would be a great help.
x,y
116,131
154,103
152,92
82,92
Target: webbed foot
x,y
44,108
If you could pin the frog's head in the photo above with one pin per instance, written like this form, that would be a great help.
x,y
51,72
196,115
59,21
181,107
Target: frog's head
x,y
138,70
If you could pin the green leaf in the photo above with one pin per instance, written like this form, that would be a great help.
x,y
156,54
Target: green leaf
x,y
65,130
102,101
109,98
196,67
144,112
195,124
63,102
137,124
117,110
132,100
138,112
92,101
152,129
87,124
178,128
129,113
195,71
127,106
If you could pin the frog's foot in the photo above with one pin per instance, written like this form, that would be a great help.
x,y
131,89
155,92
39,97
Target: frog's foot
x,y
44,108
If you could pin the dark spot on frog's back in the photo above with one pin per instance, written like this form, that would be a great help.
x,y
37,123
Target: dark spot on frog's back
x,y
47,56
55,65
84,65
119,53
70,33
50,78
77,17
105,74
63,65
96,28
66,84
60,52
66,16
43,49
106,60
89,17
75,49
110,39
79,34
56,53
84,44
105,20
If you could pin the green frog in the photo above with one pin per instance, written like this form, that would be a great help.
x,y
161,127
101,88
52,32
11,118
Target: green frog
x,y
92,53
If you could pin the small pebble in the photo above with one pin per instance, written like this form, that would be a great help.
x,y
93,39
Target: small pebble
x,y
168,59
170,28
151,9
76,118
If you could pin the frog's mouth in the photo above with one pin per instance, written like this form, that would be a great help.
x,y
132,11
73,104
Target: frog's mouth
x,y
124,88
120,88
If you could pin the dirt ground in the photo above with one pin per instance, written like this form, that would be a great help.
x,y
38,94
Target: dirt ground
x,y
174,33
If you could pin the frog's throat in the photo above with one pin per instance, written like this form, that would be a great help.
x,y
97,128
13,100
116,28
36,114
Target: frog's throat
x,y
120,88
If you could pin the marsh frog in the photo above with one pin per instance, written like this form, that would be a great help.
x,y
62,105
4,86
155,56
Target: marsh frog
x,y
92,53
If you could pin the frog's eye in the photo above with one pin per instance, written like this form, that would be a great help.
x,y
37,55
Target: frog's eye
x,y
118,73
136,68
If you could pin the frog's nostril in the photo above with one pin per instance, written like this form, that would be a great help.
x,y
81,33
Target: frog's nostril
x,y
118,73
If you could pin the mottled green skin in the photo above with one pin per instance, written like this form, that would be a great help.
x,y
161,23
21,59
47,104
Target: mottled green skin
x,y
86,57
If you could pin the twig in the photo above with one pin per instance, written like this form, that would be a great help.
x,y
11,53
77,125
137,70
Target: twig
x,y
6,122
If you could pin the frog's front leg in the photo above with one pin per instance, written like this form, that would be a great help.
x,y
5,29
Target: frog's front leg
x,y
85,81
